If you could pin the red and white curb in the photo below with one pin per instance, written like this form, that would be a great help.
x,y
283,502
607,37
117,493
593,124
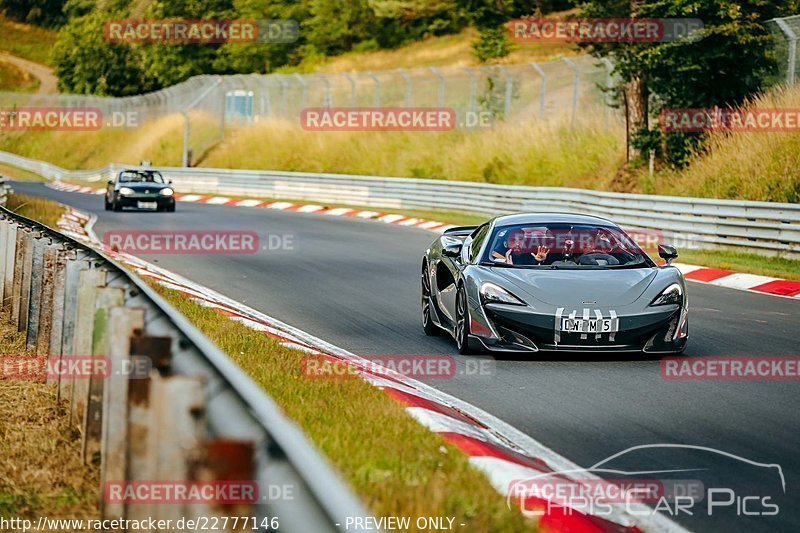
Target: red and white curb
x,y
503,453
400,220
721,278
745,282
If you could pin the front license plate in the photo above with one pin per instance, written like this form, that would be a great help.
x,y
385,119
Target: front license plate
x,y
147,205
591,325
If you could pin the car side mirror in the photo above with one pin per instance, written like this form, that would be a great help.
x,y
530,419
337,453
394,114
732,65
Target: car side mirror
x,y
667,253
111,182
452,250
169,182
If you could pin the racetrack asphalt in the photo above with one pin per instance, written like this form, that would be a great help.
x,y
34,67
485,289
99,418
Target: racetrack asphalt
x,y
355,283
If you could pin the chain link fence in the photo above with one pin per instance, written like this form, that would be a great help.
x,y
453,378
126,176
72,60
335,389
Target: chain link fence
x,y
209,104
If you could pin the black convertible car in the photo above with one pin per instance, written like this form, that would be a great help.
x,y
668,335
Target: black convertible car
x,y
552,282
140,189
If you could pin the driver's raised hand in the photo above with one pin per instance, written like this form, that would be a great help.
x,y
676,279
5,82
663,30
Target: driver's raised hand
x,y
541,253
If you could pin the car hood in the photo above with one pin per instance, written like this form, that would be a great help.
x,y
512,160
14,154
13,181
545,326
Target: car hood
x,y
138,186
578,287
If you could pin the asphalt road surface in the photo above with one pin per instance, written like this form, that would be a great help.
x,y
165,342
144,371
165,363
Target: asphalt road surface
x,y
355,283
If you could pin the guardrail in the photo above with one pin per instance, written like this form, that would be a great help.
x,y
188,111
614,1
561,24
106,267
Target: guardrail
x,y
762,227
189,415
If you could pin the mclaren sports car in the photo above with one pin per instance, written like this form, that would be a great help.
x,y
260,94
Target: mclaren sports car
x,y
552,282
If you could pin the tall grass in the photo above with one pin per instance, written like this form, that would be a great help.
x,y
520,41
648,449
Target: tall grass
x,y
753,165
531,153
27,41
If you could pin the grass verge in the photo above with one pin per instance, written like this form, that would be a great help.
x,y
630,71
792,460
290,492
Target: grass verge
x,y
27,41
14,79
33,207
397,467
41,473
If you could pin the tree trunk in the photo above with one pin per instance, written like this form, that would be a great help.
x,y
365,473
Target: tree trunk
x,y
636,112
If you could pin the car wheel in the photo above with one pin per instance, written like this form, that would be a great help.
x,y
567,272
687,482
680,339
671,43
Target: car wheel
x,y
462,322
116,206
106,203
428,326
171,208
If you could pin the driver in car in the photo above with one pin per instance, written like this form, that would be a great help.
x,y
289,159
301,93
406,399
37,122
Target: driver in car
x,y
516,246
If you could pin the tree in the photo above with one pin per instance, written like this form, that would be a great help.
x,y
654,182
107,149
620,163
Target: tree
x,y
731,61
87,64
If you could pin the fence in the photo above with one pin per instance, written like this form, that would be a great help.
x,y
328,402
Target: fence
x,y
193,417
765,227
785,32
529,91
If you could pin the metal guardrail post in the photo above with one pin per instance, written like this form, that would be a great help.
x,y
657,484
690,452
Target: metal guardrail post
x,y
543,86
35,295
377,98
25,272
106,298
5,231
42,341
12,238
575,86
407,79
122,323
473,89
88,282
352,89
327,100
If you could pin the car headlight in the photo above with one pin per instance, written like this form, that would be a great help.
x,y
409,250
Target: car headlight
x,y
491,292
671,295
166,191
124,191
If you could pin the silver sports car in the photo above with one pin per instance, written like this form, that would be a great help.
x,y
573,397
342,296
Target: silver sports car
x,y
552,282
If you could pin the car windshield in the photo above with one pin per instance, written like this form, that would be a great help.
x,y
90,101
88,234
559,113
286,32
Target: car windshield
x,y
140,176
581,246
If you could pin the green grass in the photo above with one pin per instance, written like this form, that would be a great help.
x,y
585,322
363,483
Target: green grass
x,y
36,208
41,471
27,41
14,79
19,174
397,467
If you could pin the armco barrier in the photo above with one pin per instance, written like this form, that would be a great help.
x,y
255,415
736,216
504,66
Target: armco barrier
x,y
765,227
191,416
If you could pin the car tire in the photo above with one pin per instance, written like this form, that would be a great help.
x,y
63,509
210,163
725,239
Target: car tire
x,y
171,208
106,203
462,322
431,329
116,207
